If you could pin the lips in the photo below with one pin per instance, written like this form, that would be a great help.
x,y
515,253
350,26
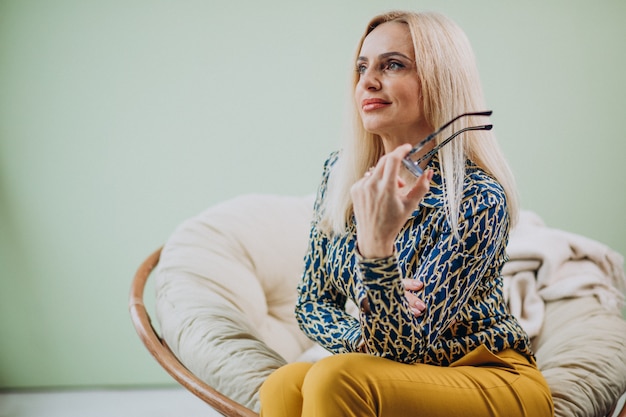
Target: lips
x,y
370,104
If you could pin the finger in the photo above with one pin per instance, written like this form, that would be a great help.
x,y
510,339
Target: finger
x,y
411,284
416,305
393,160
374,170
414,301
421,187
417,312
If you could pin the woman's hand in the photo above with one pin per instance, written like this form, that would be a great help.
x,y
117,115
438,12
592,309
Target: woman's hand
x,y
410,285
415,303
383,202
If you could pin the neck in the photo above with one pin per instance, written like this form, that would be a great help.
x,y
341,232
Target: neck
x,y
391,142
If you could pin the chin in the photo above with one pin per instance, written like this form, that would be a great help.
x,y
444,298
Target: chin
x,y
375,128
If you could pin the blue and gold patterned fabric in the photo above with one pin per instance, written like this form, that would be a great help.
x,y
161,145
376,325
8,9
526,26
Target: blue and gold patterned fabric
x,y
461,275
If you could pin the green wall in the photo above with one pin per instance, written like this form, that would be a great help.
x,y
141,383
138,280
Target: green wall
x,y
119,119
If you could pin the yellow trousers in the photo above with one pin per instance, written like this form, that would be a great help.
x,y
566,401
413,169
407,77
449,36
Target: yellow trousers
x,y
481,384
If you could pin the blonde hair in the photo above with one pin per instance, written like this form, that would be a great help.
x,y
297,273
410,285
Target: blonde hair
x,y
450,85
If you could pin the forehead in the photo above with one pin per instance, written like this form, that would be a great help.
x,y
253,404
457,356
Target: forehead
x,y
388,37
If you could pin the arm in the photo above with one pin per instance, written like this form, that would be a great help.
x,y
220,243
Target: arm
x,y
320,307
451,270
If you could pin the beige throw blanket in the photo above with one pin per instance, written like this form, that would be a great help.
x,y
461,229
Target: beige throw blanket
x,y
547,264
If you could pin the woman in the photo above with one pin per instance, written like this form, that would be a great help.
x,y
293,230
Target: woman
x,y
380,231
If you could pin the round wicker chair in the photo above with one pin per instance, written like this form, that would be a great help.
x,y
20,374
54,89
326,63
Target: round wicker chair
x,y
225,290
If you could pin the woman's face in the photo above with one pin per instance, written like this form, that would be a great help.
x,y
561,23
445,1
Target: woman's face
x,y
388,93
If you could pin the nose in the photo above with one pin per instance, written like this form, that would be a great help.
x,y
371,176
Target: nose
x,y
369,80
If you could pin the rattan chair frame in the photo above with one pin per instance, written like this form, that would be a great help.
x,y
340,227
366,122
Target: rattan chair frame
x,y
162,353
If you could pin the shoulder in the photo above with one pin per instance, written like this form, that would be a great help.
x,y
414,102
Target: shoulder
x,y
479,182
322,189
481,192
330,161
478,185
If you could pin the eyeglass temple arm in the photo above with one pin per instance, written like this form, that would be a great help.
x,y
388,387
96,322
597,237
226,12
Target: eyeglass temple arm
x,y
430,137
457,133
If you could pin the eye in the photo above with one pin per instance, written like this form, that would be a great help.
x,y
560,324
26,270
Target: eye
x,y
361,68
394,66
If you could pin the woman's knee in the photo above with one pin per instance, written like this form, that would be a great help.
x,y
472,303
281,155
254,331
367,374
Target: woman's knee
x,y
281,394
340,375
339,385
336,385
287,377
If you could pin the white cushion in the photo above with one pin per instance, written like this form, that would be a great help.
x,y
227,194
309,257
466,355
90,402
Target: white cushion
x,y
582,353
226,286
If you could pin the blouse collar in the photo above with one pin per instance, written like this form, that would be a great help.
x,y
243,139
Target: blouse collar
x,y
434,198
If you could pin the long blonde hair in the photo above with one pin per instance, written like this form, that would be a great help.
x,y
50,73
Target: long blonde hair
x,y
450,85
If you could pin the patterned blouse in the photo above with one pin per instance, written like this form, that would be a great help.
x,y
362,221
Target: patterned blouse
x,y
462,281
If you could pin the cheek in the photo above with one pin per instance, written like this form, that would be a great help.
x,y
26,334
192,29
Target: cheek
x,y
411,105
407,92
415,100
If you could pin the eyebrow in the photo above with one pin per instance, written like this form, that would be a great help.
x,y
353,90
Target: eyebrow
x,y
386,55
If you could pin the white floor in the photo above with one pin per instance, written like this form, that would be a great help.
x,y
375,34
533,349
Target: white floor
x,y
162,402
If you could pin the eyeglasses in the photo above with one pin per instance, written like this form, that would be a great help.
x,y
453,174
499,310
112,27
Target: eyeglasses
x,y
414,165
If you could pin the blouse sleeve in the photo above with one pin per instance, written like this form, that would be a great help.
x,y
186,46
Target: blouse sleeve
x,y
320,307
451,269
